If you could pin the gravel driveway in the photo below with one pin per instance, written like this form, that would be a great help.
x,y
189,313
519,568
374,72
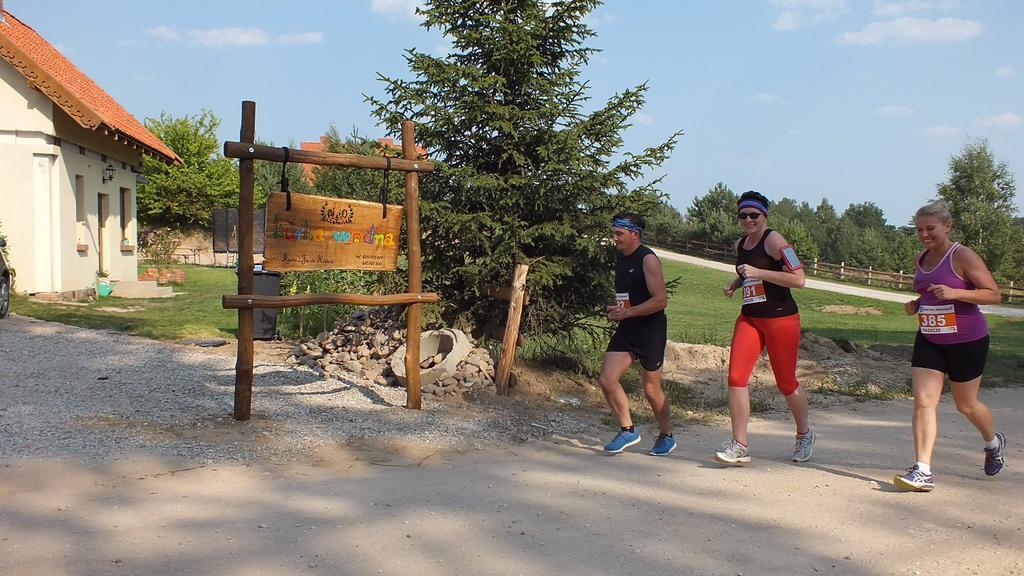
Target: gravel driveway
x,y
87,394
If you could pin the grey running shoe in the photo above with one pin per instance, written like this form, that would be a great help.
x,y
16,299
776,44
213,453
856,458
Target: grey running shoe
x,y
914,481
994,457
804,447
733,452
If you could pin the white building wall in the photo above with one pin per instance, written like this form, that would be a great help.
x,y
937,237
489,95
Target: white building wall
x,y
38,207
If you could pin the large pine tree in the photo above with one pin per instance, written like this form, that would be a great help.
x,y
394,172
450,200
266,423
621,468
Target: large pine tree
x,y
527,174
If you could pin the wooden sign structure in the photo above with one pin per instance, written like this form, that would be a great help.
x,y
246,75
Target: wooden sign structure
x,y
246,151
319,233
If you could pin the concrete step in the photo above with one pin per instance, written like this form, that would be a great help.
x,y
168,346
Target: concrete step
x,y
141,289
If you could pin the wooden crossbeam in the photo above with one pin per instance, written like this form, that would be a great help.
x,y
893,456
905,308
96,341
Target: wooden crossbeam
x,y
245,151
240,301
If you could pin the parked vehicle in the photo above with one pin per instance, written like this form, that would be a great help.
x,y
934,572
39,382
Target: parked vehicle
x,y
5,282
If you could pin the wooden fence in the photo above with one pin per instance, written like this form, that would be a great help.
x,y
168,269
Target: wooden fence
x,y
841,272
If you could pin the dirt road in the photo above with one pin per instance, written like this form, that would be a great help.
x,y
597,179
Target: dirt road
x,y
395,504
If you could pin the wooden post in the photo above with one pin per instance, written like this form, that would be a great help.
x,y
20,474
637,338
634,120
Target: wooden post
x,y
869,275
899,283
246,179
412,232
814,269
841,266
1009,294
508,343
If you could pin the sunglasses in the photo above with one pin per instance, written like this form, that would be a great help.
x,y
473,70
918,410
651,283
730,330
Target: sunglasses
x,y
751,215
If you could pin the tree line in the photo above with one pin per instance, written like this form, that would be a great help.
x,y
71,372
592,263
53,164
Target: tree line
x,y
979,189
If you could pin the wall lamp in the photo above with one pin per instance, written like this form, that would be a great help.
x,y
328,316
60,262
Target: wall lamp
x,y
108,173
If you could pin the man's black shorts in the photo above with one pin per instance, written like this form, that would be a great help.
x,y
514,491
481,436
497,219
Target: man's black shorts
x,y
962,362
644,340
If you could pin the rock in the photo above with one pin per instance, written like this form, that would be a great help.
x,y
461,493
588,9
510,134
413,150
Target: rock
x,y
471,369
354,366
452,344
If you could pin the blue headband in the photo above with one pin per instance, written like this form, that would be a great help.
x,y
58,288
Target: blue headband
x,y
627,224
754,204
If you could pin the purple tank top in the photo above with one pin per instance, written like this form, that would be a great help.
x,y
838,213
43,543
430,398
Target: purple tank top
x,y
946,321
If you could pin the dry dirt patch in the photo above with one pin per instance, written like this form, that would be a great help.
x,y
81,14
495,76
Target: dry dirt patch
x,y
851,310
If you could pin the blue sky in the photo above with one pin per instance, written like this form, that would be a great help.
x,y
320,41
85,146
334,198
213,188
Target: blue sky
x,y
849,100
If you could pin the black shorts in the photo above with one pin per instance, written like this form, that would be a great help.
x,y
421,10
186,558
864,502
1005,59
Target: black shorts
x,y
962,362
645,341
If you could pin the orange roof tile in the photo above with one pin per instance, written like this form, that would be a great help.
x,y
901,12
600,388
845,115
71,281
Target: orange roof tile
x,y
77,94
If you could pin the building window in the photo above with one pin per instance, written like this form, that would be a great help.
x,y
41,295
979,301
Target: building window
x,y
126,216
81,150
80,208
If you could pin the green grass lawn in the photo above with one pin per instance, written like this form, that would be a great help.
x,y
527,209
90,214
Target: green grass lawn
x,y
195,310
698,313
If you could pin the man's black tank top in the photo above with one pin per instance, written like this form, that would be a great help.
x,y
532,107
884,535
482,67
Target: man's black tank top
x,y
629,277
768,300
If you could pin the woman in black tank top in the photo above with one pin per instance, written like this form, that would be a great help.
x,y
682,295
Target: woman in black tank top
x,y
767,267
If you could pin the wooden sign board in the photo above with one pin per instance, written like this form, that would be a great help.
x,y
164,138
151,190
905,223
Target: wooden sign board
x,y
320,233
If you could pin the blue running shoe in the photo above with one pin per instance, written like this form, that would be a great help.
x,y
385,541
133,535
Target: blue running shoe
x,y
994,457
622,440
914,481
663,445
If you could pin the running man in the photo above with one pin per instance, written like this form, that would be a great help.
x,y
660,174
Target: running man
x,y
641,334
952,340
767,267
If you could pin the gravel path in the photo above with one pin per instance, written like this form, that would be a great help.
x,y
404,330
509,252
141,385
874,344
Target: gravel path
x,y
86,394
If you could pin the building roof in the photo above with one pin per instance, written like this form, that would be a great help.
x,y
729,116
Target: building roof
x,y
47,70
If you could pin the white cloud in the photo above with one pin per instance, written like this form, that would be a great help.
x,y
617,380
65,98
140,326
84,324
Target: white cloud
x,y
917,30
895,110
831,6
301,38
764,97
941,131
224,37
786,21
1004,71
1006,120
164,33
895,9
796,13
642,119
796,132
400,8
232,36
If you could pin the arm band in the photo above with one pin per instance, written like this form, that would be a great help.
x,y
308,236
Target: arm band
x,y
790,259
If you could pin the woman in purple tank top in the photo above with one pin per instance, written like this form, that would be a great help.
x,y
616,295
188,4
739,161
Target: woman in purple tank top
x,y
952,340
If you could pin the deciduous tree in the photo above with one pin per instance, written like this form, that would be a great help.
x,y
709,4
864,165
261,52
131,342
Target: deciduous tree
x,y
185,194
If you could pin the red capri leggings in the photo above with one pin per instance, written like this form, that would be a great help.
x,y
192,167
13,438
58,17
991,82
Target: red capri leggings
x,y
751,335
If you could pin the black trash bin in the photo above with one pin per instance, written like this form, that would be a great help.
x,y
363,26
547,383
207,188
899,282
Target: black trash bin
x,y
265,319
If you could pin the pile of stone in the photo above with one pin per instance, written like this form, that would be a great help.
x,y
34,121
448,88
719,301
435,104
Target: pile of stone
x,y
366,346
473,375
